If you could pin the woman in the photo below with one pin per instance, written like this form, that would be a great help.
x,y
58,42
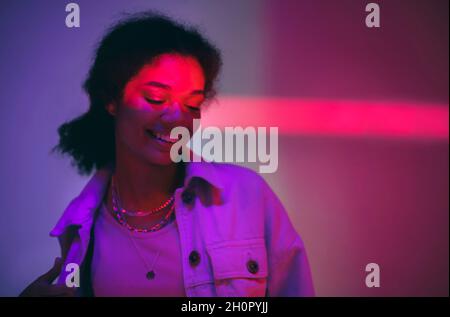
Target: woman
x,y
144,225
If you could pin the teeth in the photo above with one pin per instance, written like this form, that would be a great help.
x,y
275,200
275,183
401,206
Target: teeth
x,y
163,137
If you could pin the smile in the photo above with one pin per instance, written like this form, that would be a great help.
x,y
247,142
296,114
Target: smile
x,y
161,137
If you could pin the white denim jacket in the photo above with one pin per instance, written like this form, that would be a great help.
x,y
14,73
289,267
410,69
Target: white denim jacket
x,y
236,238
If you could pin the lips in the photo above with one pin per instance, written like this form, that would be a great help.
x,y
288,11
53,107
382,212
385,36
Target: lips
x,y
162,137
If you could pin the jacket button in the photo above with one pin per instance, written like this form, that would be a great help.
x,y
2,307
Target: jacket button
x,y
194,258
252,266
187,196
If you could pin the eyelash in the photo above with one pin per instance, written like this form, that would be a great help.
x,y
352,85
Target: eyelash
x,y
160,102
193,108
155,102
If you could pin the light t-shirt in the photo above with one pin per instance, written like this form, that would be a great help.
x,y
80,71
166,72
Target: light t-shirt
x,y
121,268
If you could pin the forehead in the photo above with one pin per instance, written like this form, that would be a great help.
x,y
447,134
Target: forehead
x,y
177,71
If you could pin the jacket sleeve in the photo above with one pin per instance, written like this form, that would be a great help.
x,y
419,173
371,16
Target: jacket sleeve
x,y
289,270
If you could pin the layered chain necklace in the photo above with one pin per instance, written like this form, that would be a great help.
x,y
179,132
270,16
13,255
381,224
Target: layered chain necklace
x,y
120,212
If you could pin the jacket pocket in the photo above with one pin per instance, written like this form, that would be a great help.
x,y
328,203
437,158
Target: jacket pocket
x,y
239,267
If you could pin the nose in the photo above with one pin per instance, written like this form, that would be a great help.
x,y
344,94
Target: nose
x,y
173,113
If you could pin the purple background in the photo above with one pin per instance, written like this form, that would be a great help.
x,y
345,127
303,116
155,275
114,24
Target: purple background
x,y
354,200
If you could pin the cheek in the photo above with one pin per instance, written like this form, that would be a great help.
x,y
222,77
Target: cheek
x,y
131,122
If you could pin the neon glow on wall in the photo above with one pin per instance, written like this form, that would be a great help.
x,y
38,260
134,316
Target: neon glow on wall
x,y
342,118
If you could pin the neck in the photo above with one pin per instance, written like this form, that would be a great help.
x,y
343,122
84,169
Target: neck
x,y
144,186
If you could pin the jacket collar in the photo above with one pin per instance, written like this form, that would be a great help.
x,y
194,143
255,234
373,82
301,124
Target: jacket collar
x,y
81,210
205,171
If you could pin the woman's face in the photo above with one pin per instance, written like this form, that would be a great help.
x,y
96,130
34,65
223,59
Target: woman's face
x,y
165,94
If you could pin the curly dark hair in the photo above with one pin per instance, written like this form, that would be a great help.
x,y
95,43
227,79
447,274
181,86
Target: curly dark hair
x,y
123,51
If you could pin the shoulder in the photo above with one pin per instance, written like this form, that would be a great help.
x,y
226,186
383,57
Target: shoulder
x,y
239,183
234,175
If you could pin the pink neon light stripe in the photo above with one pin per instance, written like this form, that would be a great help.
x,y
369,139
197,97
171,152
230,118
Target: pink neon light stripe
x,y
333,117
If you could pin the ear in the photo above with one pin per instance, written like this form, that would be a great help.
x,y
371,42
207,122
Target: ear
x,y
111,108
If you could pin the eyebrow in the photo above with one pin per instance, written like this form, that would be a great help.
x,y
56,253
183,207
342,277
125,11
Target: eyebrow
x,y
167,87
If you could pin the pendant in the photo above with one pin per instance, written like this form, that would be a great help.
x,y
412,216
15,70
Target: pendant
x,y
150,275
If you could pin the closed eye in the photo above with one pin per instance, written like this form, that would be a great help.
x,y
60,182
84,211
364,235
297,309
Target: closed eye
x,y
193,108
155,102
